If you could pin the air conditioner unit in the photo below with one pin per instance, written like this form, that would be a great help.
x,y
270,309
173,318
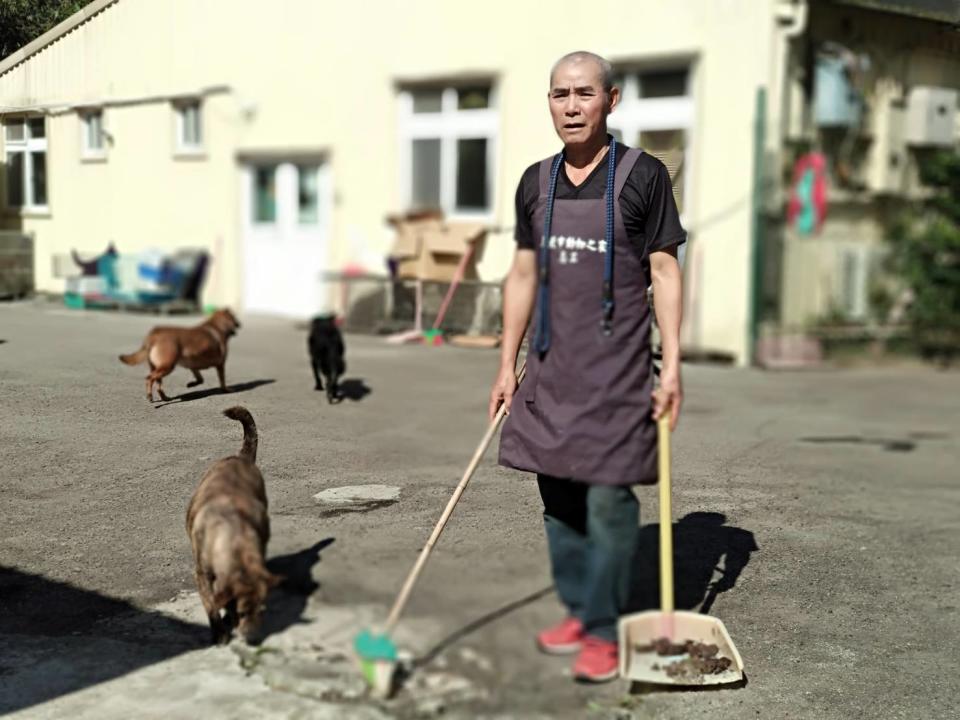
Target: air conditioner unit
x,y
931,116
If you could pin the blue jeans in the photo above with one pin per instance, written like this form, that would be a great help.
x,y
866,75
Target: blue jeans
x,y
592,537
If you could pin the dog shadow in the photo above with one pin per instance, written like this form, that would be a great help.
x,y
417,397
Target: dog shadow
x,y
354,389
286,602
708,557
208,392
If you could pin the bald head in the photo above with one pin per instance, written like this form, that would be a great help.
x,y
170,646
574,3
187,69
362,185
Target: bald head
x,y
582,56
581,96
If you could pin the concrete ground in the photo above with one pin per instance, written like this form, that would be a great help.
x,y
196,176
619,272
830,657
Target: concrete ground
x,y
817,516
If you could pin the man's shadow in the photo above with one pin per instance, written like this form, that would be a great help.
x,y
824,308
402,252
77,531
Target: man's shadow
x,y
703,546
286,603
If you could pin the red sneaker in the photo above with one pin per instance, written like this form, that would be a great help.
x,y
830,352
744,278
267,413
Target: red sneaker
x,y
597,661
561,639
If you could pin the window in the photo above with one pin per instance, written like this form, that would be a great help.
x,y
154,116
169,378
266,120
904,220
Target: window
x,y
92,141
449,137
426,173
662,83
472,174
26,159
656,114
668,146
265,194
189,127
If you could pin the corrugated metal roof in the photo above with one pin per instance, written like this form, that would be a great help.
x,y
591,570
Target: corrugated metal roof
x,y
54,34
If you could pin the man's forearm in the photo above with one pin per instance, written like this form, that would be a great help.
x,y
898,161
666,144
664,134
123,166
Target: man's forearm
x,y
668,305
519,294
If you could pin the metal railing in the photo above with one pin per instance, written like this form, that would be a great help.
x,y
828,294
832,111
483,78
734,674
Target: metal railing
x,y
382,305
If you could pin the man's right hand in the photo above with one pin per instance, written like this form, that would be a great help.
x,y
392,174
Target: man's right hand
x,y
502,392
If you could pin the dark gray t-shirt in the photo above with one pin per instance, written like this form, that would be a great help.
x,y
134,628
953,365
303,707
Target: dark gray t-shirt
x,y
649,211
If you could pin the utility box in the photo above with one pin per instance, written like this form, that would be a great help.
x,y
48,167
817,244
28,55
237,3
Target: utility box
x,y
836,102
16,264
931,116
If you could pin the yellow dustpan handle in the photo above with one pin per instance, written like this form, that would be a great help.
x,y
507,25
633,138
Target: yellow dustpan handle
x,y
666,519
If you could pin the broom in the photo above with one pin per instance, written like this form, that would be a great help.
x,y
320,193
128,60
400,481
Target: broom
x,y
376,651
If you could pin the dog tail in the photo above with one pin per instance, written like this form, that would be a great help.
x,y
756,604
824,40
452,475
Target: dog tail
x,y
241,414
134,358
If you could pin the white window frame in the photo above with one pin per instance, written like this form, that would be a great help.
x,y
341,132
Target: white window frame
x,y
182,148
28,145
635,114
449,125
86,151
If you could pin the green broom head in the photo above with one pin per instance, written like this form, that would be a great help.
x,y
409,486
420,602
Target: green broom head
x,y
375,652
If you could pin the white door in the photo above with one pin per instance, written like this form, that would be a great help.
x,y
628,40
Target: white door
x,y
286,219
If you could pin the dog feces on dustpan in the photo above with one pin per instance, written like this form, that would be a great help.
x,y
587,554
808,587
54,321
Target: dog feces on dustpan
x,y
671,647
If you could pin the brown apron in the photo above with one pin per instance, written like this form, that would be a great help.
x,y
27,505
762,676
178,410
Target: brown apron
x,y
584,409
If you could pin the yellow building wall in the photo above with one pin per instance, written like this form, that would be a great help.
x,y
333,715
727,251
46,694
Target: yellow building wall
x,y
307,75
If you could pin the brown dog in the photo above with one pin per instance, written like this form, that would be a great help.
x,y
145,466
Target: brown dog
x,y
229,528
196,348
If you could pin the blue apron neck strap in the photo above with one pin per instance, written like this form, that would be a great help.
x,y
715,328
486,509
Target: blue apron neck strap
x,y
542,337
607,321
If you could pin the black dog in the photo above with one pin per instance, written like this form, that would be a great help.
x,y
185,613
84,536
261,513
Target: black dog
x,y
326,354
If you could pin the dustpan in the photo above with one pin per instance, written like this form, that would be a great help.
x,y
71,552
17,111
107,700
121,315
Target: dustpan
x,y
640,633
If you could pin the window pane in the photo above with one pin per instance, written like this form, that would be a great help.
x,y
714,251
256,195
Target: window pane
x,y
472,174
94,131
307,195
15,179
190,125
668,147
426,173
427,100
663,83
265,194
39,180
473,98
197,129
15,130
37,128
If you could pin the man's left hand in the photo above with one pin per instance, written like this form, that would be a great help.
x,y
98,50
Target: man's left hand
x,y
668,397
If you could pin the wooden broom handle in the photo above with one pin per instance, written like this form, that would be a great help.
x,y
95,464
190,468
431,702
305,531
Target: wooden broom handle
x,y
666,515
401,601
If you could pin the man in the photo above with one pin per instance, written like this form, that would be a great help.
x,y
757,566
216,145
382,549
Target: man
x,y
592,235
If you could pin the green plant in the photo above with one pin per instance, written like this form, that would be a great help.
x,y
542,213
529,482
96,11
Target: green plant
x,y
925,254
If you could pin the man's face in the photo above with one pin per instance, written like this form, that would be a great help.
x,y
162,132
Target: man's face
x,y
578,103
